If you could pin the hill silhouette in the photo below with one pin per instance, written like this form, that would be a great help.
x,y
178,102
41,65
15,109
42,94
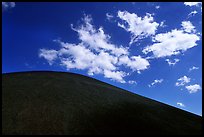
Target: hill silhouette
x,y
45,102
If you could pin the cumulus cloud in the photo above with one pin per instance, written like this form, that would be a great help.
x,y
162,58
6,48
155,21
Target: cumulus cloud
x,y
136,63
182,81
97,39
155,82
193,68
8,5
75,56
115,75
95,53
180,104
173,42
139,27
187,26
172,62
192,3
193,88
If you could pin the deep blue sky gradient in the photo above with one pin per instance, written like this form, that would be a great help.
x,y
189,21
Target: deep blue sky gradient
x,y
28,27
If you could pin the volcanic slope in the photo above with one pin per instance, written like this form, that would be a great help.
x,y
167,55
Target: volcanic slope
x,y
44,102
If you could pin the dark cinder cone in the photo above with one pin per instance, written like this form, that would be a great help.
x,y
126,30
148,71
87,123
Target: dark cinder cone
x,y
71,104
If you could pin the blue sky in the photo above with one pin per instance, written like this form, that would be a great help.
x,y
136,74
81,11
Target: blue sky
x,y
152,49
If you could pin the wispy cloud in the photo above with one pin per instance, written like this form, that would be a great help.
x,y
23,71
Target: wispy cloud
x,y
109,16
162,24
8,5
157,7
156,81
193,68
49,55
180,104
132,82
172,63
192,13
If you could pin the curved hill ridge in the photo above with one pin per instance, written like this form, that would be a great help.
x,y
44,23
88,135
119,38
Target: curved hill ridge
x,y
45,102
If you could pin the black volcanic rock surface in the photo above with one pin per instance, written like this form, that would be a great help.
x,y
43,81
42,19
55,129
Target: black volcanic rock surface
x,y
72,104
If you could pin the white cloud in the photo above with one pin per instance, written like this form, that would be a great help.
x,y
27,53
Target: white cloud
x,y
171,62
8,5
157,7
115,75
172,43
193,68
155,82
182,81
95,53
192,3
192,13
132,82
187,26
193,88
49,55
80,57
180,104
109,16
162,24
97,39
75,56
197,4
136,63
139,27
